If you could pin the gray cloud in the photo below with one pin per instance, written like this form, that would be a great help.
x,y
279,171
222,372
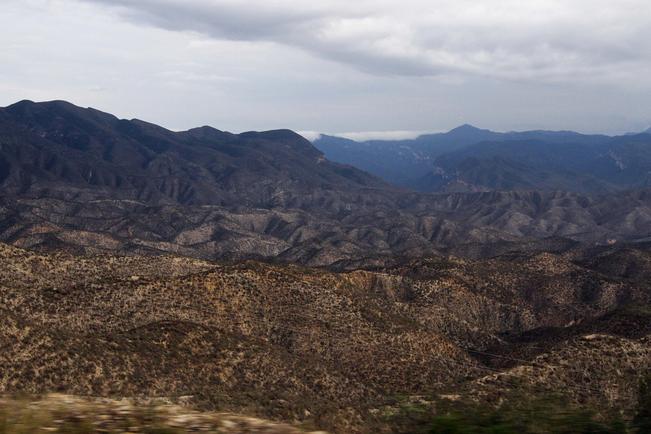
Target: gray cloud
x,y
385,67
551,40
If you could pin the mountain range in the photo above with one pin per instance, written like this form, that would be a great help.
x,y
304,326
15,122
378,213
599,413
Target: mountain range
x,y
248,273
85,181
471,159
60,150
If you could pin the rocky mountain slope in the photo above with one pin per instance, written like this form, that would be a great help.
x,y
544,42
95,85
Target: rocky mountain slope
x,y
326,349
58,150
328,228
84,181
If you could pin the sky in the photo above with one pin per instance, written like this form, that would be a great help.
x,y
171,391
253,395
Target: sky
x,y
364,68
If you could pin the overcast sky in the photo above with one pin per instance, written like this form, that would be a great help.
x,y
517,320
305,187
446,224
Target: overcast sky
x,y
391,67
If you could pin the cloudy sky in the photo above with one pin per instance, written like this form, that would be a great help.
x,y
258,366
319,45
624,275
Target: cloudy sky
x,y
385,66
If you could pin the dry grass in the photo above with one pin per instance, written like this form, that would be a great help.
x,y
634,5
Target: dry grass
x,y
71,415
316,347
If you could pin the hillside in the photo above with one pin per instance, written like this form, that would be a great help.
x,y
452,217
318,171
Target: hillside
x,y
325,229
323,348
58,150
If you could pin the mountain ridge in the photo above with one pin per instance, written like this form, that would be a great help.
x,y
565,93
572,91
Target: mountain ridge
x,y
137,153
85,181
424,163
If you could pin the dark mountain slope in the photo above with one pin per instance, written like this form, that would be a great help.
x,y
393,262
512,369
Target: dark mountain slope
x,y
84,180
58,149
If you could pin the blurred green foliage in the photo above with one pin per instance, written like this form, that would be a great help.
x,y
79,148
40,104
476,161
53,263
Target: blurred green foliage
x,y
642,421
520,415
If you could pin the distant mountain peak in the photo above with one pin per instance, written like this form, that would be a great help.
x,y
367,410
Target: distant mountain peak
x,y
22,103
29,109
207,128
207,131
27,104
279,135
466,128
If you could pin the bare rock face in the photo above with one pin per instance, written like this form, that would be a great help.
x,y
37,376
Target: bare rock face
x,y
324,348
